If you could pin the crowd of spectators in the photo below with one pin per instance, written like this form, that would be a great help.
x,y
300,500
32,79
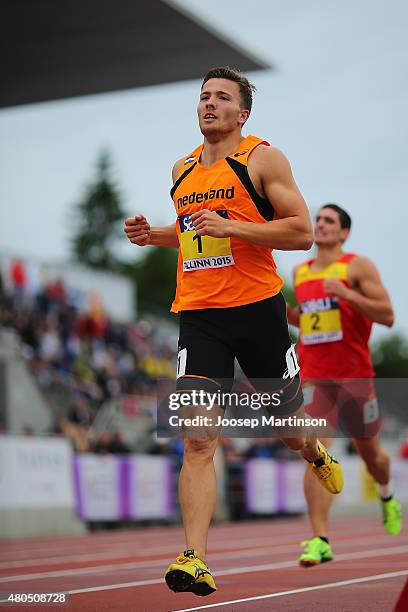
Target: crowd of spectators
x,y
80,357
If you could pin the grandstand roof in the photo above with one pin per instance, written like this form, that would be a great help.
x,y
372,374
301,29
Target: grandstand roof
x,y
54,50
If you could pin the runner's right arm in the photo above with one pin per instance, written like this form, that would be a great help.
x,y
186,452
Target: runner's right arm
x,y
293,315
293,312
139,232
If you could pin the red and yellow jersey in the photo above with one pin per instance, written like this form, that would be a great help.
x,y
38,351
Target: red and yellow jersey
x,y
221,272
334,335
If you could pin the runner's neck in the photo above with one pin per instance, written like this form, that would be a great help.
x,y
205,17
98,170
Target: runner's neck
x,y
325,257
212,152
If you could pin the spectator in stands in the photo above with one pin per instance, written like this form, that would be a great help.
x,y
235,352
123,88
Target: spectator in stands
x,y
102,444
50,343
18,278
79,413
55,292
118,445
78,436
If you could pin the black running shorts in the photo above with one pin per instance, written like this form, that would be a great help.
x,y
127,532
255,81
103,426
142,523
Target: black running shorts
x,y
255,334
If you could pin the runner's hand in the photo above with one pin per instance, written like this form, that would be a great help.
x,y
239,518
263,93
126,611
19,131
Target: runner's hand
x,y
209,223
336,287
137,229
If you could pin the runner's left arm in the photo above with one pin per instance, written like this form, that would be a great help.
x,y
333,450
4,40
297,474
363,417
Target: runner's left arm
x,y
369,295
292,227
293,312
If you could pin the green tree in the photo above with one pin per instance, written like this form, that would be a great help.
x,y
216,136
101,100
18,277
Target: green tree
x,y
289,294
390,357
154,278
97,218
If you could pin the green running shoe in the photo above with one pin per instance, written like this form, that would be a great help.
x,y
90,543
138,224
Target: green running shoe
x,y
316,551
392,516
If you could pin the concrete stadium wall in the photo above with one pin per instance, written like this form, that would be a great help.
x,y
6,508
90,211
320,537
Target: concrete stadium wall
x,y
22,401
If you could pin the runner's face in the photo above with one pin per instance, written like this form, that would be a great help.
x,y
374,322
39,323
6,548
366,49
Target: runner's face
x,y
219,109
327,228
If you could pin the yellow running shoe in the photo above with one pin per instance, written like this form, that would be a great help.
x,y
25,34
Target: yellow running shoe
x,y
190,573
328,470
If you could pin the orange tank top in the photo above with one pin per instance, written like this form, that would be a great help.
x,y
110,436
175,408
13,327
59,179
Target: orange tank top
x,y
221,272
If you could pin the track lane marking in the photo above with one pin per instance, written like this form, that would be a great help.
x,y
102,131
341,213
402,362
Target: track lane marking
x,y
241,570
53,544
122,553
160,562
317,587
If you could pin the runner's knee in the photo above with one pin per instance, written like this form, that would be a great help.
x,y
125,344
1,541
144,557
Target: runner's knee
x,y
295,444
369,449
375,460
199,449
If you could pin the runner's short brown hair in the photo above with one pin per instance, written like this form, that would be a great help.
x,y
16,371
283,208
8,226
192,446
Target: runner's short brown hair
x,y
344,217
232,74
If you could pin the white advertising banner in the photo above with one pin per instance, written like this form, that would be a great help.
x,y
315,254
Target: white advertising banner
x,y
35,473
400,479
273,486
291,491
353,481
98,487
150,487
262,487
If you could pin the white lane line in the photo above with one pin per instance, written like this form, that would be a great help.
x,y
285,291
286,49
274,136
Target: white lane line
x,y
117,552
364,554
134,565
96,569
317,587
87,541
169,548
122,553
243,570
78,558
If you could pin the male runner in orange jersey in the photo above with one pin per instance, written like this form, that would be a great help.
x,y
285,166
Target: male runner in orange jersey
x,y
340,295
235,200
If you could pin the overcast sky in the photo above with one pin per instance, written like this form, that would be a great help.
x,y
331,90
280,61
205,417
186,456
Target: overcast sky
x,y
336,104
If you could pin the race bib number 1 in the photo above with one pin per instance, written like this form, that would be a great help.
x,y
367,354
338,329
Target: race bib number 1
x,y
203,252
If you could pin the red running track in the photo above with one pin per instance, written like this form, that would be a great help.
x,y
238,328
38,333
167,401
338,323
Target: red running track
x,y
255,564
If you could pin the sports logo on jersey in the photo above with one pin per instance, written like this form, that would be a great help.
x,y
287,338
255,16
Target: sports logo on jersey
x,y
241,153
189,160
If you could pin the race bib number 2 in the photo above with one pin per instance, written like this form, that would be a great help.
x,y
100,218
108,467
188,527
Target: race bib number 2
x,y
320,321
203,252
